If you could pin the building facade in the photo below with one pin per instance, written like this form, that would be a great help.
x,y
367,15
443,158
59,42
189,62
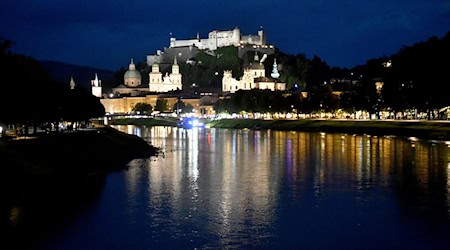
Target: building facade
x,y
166,83
254,78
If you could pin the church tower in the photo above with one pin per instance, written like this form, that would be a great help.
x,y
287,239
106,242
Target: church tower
x,y
155,78
96,87
175,77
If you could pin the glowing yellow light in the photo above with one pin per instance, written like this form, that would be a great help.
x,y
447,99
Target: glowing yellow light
x,y
14,215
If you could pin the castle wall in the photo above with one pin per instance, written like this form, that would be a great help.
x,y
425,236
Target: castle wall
x,y
227,38
217,39
252,39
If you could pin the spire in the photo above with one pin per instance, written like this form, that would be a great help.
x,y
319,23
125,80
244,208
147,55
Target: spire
x,y
96,87
132,66
175,67
96,82
275,73
72,83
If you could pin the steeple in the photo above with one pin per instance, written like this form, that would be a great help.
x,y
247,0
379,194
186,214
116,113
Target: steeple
x,y
72,83
96,82
275,73
175,67
96,87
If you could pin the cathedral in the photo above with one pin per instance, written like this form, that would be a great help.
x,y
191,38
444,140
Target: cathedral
x,y
125,96
133,85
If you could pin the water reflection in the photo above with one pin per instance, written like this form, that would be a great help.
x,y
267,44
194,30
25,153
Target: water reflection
x,y
214,187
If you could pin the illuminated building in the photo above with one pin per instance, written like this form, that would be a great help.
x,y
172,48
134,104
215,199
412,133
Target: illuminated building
x,y
254,78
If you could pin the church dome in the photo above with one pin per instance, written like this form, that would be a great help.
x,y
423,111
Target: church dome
x,y
132,74
132,77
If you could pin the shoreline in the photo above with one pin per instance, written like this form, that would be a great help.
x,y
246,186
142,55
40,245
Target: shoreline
x,y
424,129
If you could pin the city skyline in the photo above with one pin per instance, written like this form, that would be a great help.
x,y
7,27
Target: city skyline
x,y
107,34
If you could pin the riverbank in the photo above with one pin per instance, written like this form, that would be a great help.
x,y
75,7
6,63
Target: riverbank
x,y
433,130
67,156
89,151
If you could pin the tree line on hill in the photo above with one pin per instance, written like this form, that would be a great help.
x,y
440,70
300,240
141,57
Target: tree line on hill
x,y
30,98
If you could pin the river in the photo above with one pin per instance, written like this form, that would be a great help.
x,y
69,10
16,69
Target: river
x,y
246,189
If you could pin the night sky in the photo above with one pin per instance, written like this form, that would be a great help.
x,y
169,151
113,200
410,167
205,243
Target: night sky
x,y
107,33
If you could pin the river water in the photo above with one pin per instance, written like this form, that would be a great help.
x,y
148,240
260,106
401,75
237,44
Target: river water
x,y
224,188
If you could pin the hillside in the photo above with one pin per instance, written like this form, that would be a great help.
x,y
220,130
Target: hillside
x,y
82,75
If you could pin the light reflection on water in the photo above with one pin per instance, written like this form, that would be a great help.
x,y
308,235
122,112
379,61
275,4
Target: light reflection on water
x,y
220,188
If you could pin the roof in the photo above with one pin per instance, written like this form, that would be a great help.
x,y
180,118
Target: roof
x,y
132,74
256,65
265,79
122,86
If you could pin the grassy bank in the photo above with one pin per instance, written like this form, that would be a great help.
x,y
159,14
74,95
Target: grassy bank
x,y
171,122
423,129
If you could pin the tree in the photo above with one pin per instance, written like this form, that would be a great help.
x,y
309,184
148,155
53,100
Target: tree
x,y
161,105
182,107
79,105
142,108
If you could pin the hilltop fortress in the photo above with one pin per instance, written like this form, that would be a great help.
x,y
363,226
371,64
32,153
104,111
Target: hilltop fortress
x,y
217,39
187,49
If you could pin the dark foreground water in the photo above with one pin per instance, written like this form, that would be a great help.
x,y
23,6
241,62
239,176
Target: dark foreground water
x,y
219,188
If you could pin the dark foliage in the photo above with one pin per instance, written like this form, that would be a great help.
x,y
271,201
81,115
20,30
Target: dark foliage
x,y
30,97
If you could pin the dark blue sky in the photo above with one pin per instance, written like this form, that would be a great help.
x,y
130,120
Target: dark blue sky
x,y
107,33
